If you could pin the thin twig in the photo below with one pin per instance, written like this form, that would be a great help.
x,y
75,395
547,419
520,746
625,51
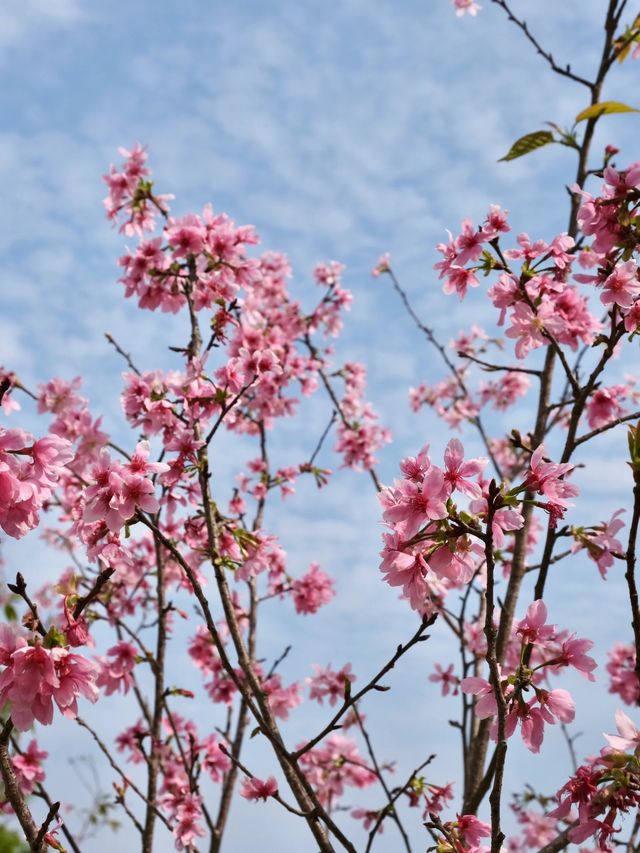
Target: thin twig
x,y
588,436
334,399
569,741
327,429
383,782
498,367
429,334
278,661
93,593
497,835
54,808
126,779
418,637
395,795
20,588
564,72
226,408
121,352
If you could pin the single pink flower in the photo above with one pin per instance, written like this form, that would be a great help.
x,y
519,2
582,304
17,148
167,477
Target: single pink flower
x,y
256,789
457,471
447,678
533,628
628,736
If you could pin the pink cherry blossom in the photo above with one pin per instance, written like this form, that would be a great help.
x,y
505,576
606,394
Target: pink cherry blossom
x,y
28,765
547,478
628,736
486,704
255,789
383,265
410,505
622,287
463,7
187,829
457,471
531,328
533,628
604,406
312,591
621,668
329,683
447,678
472,829
116,672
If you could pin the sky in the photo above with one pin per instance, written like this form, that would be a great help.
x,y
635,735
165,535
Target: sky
x,y
340,131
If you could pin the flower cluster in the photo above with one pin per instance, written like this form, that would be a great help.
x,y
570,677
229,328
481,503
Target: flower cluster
x,y
35,676
329,683
29,471
429,549
538,648
118,490
312,591
463,835
359,434
334,764
621,667
468,246
603,789
116,670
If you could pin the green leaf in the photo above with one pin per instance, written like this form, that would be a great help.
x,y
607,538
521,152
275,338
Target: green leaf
x,y
604,108
527,144
54,638
10,842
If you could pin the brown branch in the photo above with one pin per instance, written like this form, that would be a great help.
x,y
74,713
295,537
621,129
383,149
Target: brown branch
x,y
20,588
497,835
493,368
605,428
14,794
93,593
303,791
228,785
158,703
54,808
630,573
327,429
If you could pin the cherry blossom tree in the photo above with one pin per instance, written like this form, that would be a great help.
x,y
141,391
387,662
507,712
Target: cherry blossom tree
x,y
153,540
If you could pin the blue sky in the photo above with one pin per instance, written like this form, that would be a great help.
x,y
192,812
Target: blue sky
x,y
340,131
